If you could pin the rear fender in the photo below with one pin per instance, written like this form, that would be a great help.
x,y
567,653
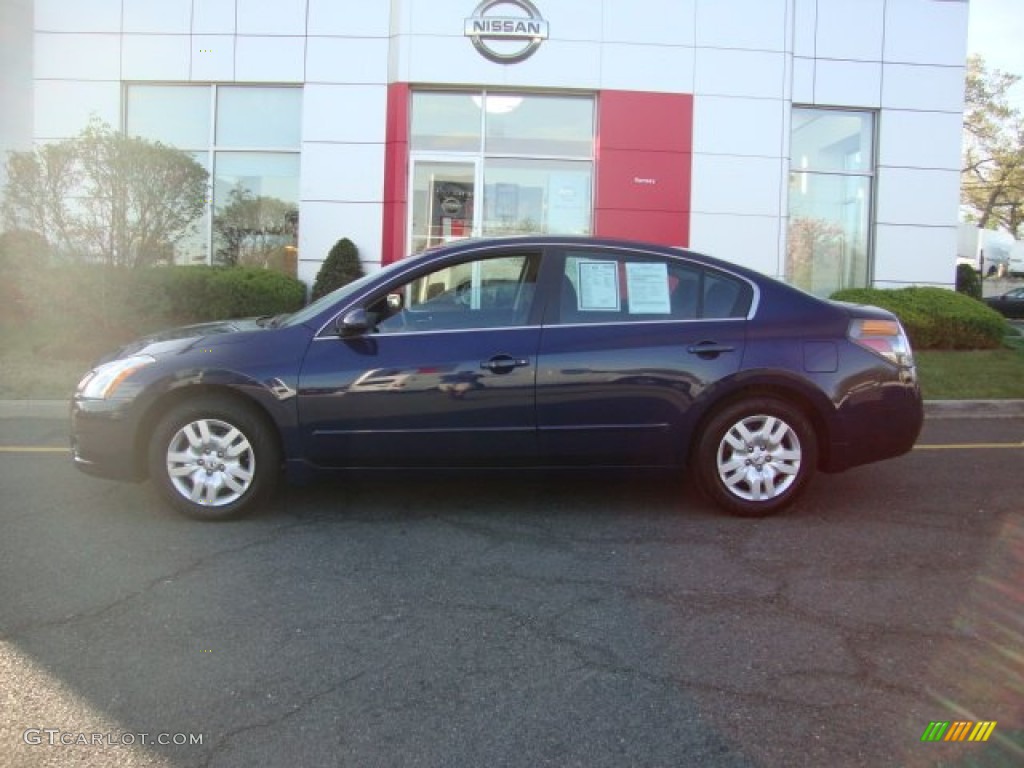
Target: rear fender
x,y
759,383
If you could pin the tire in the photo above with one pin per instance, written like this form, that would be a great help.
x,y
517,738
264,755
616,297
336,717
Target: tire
x,y
755,457
213,458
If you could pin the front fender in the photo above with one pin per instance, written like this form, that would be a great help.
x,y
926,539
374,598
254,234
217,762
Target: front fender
x,y
274,397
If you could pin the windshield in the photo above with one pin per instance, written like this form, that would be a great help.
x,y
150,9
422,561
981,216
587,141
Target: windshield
x,y
336,296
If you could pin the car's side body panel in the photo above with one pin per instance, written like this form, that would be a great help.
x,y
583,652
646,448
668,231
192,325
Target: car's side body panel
x,y
620,394
456,397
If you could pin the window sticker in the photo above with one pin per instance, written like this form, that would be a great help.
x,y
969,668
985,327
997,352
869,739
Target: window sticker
x,y
598,285
647,287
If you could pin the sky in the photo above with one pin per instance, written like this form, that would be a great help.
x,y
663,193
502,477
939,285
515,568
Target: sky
x,y
995,29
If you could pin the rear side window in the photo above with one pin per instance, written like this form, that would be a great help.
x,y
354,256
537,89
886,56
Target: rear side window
x,y
608,286
724,296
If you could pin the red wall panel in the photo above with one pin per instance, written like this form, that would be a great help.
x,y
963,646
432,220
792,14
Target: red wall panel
x,y
643,180
643,168
396,173
663,227
644,153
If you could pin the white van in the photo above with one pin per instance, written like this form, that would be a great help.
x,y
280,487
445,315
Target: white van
x,y
1015,264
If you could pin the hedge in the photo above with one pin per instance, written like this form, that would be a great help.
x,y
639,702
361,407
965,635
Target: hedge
x,y
936,318
88,300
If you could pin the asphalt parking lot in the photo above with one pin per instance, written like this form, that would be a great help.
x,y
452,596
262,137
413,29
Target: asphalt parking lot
x,y
517,620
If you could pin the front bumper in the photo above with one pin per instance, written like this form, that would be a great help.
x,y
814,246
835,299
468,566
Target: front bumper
x,y
103,440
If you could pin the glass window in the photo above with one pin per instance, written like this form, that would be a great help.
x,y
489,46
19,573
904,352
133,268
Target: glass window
x,y
259,117
832,140
607,287
487,293
830,197
252,208
178,115
255,199
442,202
533,174
536,197
539,125
447,122
194,246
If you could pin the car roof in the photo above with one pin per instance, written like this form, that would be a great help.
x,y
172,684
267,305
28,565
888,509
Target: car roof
x,y
539,241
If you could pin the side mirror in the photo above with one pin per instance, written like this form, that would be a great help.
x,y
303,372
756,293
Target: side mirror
x,y
356,322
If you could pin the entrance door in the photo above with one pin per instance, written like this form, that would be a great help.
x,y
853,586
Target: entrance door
x,y
444,205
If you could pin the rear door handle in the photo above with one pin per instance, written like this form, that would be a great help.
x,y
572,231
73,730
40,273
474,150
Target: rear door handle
x,y
504,363
708,350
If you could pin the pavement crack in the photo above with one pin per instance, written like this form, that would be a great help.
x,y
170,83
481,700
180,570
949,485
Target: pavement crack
x,y
223,744
13,633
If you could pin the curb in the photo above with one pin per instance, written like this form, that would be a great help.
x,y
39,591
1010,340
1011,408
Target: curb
x,y
933,409
974,409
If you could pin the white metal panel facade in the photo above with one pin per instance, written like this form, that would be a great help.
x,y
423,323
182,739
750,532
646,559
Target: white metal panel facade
x,y
745,62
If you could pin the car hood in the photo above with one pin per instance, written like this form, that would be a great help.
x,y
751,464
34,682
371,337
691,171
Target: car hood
x,y
171,340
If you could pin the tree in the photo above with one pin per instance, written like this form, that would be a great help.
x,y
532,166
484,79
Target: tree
x,y
251,229
992,179
104,196
341,267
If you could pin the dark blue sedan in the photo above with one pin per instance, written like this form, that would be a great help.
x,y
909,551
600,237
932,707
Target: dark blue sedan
x,y
520,352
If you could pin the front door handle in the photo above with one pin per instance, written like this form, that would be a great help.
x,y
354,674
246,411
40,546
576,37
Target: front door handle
x,y
504,363
709,350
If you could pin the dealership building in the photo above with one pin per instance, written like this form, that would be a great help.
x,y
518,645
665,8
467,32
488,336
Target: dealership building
x,y
813,140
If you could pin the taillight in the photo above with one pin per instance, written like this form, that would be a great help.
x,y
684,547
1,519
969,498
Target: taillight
x,y
885,338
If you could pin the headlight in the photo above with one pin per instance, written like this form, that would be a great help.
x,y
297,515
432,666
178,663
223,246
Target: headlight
x,y
102,381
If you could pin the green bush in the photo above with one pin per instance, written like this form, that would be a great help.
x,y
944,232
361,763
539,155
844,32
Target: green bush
x,y
188,291
341,267
968,281
96,298
81,310
936,318
21,252
246,291
22,249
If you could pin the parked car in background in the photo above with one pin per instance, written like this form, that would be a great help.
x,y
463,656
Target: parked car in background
x,y
1009,304
519,352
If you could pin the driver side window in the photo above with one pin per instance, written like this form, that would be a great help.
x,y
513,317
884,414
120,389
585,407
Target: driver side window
x,y
486,293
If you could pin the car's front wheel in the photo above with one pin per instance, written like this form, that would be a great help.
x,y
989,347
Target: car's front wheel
x,y
754,457
213,458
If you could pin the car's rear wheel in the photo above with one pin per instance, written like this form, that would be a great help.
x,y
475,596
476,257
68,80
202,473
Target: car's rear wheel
x,y
754,457
213,458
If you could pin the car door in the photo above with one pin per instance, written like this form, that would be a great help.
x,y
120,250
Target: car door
x,y
632,340
443,376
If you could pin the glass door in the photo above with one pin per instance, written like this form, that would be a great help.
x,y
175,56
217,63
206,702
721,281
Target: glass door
x,y
444,206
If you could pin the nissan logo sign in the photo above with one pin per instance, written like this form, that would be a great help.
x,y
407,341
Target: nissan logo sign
x,y
502,38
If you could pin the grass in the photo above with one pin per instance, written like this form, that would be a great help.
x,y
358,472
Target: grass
x,y
981,374
35,364
44,363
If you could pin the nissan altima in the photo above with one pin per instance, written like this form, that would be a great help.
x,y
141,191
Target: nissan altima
x,y
516,352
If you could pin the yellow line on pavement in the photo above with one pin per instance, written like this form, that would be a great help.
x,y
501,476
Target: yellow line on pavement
x,y
32,449
964,446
